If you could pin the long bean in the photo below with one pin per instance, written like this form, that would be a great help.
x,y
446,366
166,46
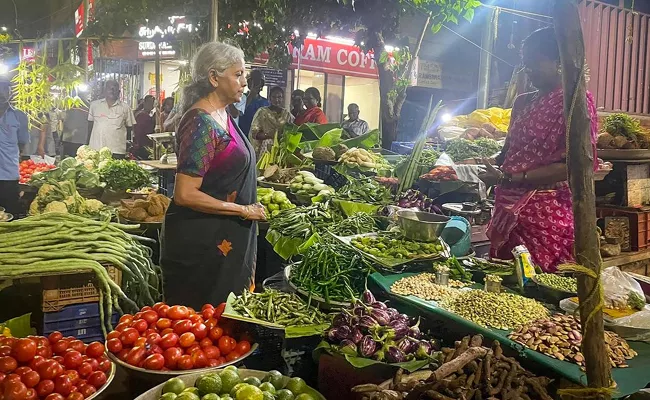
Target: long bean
x,y
277,307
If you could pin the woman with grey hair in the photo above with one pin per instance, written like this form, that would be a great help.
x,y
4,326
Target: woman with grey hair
x,y
209,238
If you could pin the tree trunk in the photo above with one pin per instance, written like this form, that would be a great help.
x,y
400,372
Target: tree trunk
x,y
580,162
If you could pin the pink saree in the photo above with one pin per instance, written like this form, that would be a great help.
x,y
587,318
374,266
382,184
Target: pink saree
x,y
540,218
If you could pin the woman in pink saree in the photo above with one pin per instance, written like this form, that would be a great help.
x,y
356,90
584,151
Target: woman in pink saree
x,y
533,204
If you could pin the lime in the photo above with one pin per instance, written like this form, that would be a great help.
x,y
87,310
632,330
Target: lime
x,y
251,380
284,394
267,387
275,378
188,396
168,396
211,396
238,386
229,379
226,397
305,396
232,368
191,390
296,385
209,384
174,385
249,392
268,396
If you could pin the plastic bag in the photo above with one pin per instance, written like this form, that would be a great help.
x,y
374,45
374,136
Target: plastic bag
x,y
445,161
633,327
618,287
46,159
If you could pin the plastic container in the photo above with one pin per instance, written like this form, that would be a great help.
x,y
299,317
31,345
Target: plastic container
x,y
64,290
442,278
639,224
73,317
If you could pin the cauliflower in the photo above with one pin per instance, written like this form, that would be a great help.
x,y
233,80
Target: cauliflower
x,y
45,189
92,207
56,206
102,164
105,154
89,165
33,208
82,151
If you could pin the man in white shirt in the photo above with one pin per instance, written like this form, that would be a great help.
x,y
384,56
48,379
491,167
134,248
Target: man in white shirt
x,y
110,121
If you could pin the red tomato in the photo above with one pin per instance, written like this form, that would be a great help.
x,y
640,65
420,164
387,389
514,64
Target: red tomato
x,y
129,336
140,325
127,318
212,352
58,359
199,330
199,360
75,396
213,363
50,369
154,362
122,354
185,362
31,394
226,345
105,365
14,390
233,355
36,361
24,350
216,333
22,370
156,306
152,329
2,377
183,326
218,310
30,379
87,390
168,340
171,356
97,379
150,316
154,338
114,345
207,313
78,345
191,349
8,364
55,337
207,306
163,323
122,326
140,342
194,318
136,355
210,323
85,369
72,359
54,396
205,342
73,375
94,363
63,384
243,347
113,335
95,349
178,312
162,311
60,347
146,308
166,331
44,351
187,339
44,388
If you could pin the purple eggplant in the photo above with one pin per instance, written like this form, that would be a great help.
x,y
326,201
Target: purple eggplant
x,y
368,297
424,350
380,355
367,322
341,319
356,336
435,344
380,316
367,347
340,333
404,203
359,310
407,345
415,332
400,318
395,355
379,305
348,347
393,313
397,330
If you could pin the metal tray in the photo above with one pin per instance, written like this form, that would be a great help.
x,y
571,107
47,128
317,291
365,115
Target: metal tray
x,y
624,154
109,379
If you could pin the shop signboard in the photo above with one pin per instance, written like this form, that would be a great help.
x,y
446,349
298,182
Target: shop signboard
x,y
147,50
322,55
273,77
80,16
177,25
429,74
28,54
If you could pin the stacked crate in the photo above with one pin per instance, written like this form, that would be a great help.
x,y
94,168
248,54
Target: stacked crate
x,y
79,320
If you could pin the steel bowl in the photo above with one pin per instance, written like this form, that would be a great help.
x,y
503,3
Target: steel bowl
x,y
421,226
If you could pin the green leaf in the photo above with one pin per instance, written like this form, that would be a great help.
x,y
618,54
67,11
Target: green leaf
x,y
452,18
331,138
366,141
362,362
469,15
20,327
435,28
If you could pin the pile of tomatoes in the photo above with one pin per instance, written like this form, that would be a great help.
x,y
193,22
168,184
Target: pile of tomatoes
x,y
167,338
28,168
51,368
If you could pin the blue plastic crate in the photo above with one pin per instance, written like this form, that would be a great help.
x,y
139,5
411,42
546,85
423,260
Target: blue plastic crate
x,y
79,323
76,311
83,333
91,339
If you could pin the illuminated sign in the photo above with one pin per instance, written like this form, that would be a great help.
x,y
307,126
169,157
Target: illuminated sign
x,y
28,54
176,25
148,50
79,17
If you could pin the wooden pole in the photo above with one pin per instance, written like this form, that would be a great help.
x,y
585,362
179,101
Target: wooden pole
x,y
214,21
580,164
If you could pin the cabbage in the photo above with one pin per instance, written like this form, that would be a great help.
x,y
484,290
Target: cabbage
x,y
67,163
87,179
68,174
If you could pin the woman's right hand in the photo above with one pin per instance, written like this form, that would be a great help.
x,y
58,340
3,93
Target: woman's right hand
x,y
255,212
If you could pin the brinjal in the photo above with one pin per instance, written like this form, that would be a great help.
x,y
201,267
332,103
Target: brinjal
x,y
424,350
393,313
379,305
407,345
401,317
341,319
415,332
367,322
380,316
395,355
348,347
380,355
404,203
356,336
368,297
342,332
367,347
397,330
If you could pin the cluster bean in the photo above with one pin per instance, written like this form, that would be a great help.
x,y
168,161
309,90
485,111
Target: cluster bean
x,y
387,246
424,286
277,307
559,337
559,282
497,310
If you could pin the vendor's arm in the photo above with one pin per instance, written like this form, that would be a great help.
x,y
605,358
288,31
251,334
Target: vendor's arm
x,y
256,131
545,175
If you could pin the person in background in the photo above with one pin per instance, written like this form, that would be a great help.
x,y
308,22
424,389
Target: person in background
x,y
268,122
110,121
167,107
145,124
236,110
170,124
533,204
297,103
313,114
75,130
55,121
41,142
254,101
14,135
353,125
209,236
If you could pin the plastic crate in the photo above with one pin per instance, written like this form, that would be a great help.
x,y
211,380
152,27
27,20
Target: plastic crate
x,y
639,224
74,317
64,290
83,333
329,175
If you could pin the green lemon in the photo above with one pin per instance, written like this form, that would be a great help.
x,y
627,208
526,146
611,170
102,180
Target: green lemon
x,y
168,396
296,385
191,390
284,394
229,379
267,387
249,392
268,396
226,397
305,396
275,378
232,368
174,385
235,389
188,396
209,384
251,380
211,396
